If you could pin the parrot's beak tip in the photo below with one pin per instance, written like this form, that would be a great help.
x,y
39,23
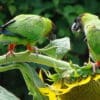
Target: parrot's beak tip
x,y
75,27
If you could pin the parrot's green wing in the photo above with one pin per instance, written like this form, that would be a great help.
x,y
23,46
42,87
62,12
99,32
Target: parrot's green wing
x,y
93,40
31,26
26,29
90,25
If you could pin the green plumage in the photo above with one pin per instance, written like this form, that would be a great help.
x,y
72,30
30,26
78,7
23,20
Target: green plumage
x,y
93,39
90,25
26,29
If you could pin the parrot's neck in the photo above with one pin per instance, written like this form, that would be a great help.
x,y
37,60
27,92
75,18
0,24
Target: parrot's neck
x,y
88,26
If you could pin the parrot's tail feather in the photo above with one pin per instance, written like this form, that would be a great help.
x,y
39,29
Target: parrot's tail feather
x,y
8,33
8,23
2,27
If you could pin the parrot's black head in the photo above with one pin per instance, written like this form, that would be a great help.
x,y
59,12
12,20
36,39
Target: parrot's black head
x,y
53,32
77,25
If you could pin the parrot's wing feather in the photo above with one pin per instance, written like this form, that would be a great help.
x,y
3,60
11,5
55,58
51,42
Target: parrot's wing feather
x,y
3,30
8,33
8,23
94,40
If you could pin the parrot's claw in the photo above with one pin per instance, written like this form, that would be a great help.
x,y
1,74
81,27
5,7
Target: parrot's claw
x,y
10,53
11,48
36,50
95,66
32,49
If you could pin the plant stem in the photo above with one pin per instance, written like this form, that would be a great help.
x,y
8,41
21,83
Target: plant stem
x,y
28,77
32,57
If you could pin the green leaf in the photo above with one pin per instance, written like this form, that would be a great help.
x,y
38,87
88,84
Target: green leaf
x,y
68,1
12,9
6,95
57,48
70,13
32,81
56,2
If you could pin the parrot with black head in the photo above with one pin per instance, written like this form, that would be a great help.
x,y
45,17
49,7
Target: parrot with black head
x,y
90,25
25,29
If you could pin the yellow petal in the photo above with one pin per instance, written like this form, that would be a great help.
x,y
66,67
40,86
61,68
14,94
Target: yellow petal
x,y
55,89
78,83
40,75
84,81
97,77
57,85
46,91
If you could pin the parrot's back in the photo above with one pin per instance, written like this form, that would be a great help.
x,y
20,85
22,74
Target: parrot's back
x,y
31,27
90,25
93,39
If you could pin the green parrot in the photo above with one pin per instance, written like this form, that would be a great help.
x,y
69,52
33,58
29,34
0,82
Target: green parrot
x,y
90,25
25,30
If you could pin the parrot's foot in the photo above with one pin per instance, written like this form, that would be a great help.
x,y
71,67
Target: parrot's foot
x,y
95,66
32,49
36,50
11,48
10,53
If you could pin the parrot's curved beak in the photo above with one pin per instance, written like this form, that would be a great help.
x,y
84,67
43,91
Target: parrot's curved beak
x,y
76,27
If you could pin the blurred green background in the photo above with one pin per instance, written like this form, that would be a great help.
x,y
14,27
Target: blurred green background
x,y
62,13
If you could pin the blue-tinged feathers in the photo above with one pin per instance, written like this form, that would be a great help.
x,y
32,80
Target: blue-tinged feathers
x,y
4,31
26,29
8,23
3,28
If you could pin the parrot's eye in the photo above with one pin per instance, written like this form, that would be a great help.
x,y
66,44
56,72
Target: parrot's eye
x,y
76,26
